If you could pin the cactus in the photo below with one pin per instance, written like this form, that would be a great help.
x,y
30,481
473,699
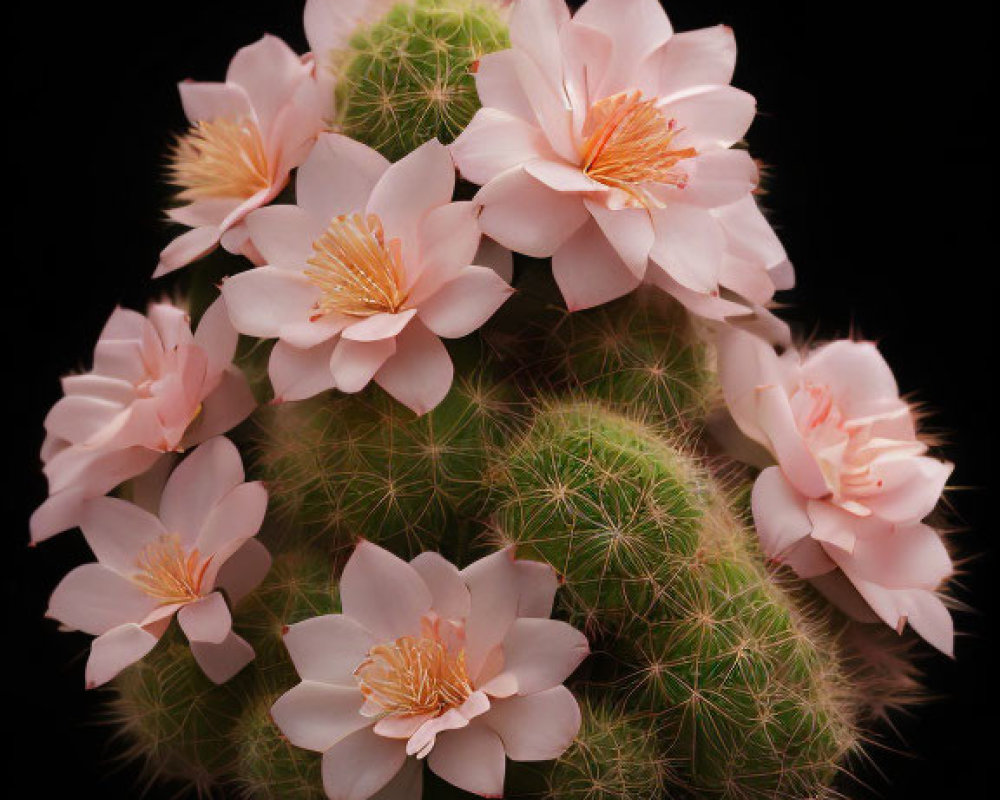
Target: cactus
x,y
409,77
750,698
578,439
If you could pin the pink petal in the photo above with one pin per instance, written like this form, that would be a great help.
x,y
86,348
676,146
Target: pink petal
x,y
243,571
630,232
563,177
311,333
329,25
316,716
471,759
793,454
746,362
538,583
227,406
898,557
636,33
710,117
419,375
407,785
539,727
836,588
693,58
379,326
217,336
270,72
689,246
409,189
425,737
188,247
451,598
540,654
206,101
220,662
383,593
362,764
719,178
496,141
499,86
779,512
328,649
284,234
77,418
492,583
749,236
206,620
465,303
449,240
198,485
859,378
262,300
909,488
299,374
589,270
115,650
354,364
338,177
117,531
930,618
60,512
527,216
534,31
546,90
237,515
94,599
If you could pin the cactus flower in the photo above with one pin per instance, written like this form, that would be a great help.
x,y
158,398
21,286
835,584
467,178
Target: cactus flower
x,y
155,388
852,484
605,141
365,274
246,136
150,568
462,669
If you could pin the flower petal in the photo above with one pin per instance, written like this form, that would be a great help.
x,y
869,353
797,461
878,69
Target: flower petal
x,y
206,620
539,727
94,599
270,71
117,531
198,485
354,364
329,649
238,515
362,764
496,141
244,571
471,759
338,177
115,650
379,326
538,583
526,216
693,58
499,86
222,661
383,593
451,598
299,374
630,232
539,654
420,373
789,447
284,234
189,246
710,117
465,303
316,716
263,300
493,606
689,246
589,270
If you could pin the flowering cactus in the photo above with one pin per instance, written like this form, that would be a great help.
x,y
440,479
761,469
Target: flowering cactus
x,y
496,540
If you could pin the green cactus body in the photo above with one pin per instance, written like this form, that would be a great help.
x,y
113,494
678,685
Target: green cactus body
x,y
408,78
349,466
749,699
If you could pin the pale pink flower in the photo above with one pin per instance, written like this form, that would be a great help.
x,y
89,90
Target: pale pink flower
x,y
246,136
605,141
151,567
461,668
155,388
364,275
852,483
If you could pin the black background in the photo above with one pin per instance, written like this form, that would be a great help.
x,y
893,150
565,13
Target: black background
x,y
874,120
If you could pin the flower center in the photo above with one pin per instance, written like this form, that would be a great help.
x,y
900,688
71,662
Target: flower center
x,y
414,676
168,572
220,159
357,271
629,143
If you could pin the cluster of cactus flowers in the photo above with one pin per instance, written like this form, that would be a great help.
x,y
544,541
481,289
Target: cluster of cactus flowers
x,y
545,502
